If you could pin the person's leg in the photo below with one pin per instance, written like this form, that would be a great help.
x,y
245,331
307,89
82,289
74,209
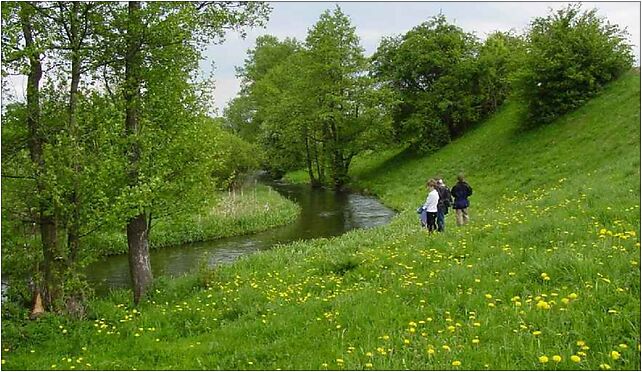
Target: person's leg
x,y
432,216
464,213
440,220
458,214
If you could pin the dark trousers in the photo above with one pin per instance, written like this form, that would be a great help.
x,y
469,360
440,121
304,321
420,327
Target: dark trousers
x,y
432,221
441,219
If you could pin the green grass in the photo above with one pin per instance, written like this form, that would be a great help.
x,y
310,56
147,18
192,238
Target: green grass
x,y
560,202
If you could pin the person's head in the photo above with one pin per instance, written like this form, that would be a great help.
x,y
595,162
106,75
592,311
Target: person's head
x,y
431,184
460,177
440,183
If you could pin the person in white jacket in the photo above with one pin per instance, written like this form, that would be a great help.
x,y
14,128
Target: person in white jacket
x,y
431,205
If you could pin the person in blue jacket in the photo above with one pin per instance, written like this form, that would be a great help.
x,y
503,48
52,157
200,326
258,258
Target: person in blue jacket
x,y
461,192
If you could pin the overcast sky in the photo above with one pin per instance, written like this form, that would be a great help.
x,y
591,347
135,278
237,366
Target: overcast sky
x,y
373,20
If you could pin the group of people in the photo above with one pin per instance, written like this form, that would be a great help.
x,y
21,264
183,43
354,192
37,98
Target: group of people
x,y
433,212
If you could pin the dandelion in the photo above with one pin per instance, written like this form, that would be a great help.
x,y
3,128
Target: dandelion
x,y
475,340
406,341
456,363
623,346
572,296
575,358
339,361
430,351
543,305
557,358
543,359
537,333
605,366
581,343
615,355
368,365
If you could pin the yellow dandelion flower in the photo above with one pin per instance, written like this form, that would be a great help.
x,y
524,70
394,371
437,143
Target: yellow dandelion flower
x,y
575,358
543,359
537,333
572,296
368,354
488,295
475,340
368,365
581,343
339,361
430,351
456,363
490,304
446,347
605,366
615,355
623,346
557,358
543,305
386,337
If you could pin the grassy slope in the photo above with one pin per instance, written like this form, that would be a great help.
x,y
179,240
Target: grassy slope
x,y
562,200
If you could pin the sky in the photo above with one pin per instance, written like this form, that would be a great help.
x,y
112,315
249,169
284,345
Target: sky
x,y
374,20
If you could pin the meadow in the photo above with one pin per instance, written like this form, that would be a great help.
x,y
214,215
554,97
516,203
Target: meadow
x,y
545,277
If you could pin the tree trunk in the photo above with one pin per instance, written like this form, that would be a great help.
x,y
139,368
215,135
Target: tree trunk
x,y
73,232
50,287
308,160
137,232
139,265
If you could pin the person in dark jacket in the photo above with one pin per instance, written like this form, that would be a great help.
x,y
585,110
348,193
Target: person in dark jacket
x,y
443,204
461,191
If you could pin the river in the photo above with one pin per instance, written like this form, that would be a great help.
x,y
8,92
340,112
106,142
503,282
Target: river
x,y
324,213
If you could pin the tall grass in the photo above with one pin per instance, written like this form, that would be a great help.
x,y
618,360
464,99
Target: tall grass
x,y
251,209
546,276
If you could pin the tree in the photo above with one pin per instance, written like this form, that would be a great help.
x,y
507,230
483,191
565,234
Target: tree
x,y
433,70
162,42
146,106
336,70
571,55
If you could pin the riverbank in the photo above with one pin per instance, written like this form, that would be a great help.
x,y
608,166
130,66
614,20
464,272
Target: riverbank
x,y
252,209
545,277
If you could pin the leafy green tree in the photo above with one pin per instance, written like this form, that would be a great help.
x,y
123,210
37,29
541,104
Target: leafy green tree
x,y
161,51
498,61
434,72
336,72
571,55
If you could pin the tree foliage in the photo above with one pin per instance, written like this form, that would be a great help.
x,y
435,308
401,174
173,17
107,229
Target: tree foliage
x,y
444,79
571,55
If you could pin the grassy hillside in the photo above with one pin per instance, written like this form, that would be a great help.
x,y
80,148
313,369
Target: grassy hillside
x,y
546,275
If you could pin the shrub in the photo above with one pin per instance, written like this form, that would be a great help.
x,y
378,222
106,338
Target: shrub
x,y
571,55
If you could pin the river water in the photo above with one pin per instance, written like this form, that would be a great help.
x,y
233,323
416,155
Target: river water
x,y
324,213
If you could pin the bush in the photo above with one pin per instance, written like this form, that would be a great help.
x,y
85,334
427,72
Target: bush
x,y
571,55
